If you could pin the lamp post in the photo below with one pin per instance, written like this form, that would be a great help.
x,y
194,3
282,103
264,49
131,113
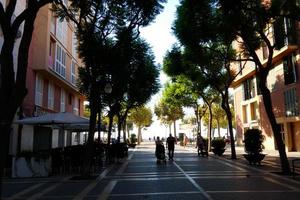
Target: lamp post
x,y
107,90
202,111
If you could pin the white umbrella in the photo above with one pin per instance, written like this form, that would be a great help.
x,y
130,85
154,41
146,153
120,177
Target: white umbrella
x,y
54,118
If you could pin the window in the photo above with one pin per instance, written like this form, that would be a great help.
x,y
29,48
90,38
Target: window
x,y
61,31
53,23
50,96
51,53
249,89
253,111
38,91
291,102
284,32
62,101
75,108
245,115
73,74
60,61
74,44
289,68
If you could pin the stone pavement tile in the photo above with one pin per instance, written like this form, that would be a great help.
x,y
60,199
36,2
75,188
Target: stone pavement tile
x,y
67,189
142,155
239,184
55,198
154,168
153,186
256,196
36,190
208,167
90,198
141,164
191,196
98,188
10,189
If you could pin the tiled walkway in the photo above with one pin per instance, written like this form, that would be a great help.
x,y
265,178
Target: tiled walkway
x,y
140,177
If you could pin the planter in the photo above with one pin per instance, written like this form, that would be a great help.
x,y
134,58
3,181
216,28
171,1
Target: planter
x,y
132,145
218,151
254,158
31,167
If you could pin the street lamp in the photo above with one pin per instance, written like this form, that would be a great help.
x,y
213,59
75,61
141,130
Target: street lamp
x,y
107,90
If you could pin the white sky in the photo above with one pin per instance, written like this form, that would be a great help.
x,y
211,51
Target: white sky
x,y
160,37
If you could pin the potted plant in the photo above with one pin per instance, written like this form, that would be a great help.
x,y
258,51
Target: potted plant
x,y
133,140
253,146
218,146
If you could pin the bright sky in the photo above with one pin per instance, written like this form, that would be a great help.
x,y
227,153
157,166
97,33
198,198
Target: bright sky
x,y
160,37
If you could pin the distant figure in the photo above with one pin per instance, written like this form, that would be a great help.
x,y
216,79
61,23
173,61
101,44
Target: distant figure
x,y
186,140
171,145
157,141
201,146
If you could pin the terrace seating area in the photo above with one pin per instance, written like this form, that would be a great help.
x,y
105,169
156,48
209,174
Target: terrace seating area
x,y
69,160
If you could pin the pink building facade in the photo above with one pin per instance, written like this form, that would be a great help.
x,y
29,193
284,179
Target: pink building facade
x,y
283,83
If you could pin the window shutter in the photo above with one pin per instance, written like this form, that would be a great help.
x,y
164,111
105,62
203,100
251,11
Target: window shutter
x,y
279,33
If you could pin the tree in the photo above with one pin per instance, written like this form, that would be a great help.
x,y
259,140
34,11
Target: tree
x,y
178,63
249,22
168,113
207,46
139,79
181,92
13,76
141,117
218,118
100,22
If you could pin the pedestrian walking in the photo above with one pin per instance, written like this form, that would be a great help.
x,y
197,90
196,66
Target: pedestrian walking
x,y
171,146
201,146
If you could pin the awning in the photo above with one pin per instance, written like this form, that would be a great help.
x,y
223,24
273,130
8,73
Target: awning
x,y
54,119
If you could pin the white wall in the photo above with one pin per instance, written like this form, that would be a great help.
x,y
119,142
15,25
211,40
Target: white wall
x,y
55,138
27,138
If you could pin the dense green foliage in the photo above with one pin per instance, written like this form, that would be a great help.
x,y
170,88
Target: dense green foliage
x,y
109,47
141,117
253,141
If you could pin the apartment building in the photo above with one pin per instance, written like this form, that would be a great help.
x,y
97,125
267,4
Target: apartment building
x,y
51,82
283,83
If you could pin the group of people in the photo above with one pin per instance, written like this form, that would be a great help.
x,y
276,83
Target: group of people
x,y
170,144
171,141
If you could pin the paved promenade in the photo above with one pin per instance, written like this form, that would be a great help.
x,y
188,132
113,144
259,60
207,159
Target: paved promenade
x,y
187,177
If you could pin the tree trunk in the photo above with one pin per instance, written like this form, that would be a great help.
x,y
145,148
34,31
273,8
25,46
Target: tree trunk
x,y
219,132
285,166
226,108
128,132
110,125
170,129
197,119
175,128
124,130
4,136
119,128
12,91
209,127
99,124
90,142
139,135
200,126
